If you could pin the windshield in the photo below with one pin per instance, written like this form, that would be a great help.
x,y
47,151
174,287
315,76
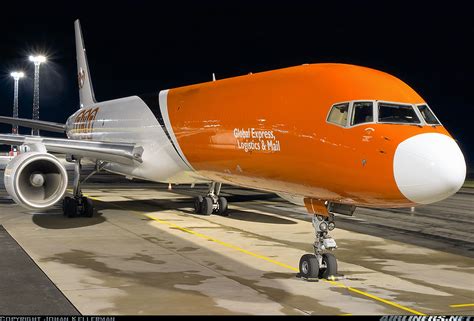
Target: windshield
x,y
338,114
400,114
428,115
362,113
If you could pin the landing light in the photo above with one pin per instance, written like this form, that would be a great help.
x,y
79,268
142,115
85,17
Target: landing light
x,y
331,226
323,226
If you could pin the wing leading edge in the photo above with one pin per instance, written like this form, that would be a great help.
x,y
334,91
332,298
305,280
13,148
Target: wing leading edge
x,y
37,124
123,153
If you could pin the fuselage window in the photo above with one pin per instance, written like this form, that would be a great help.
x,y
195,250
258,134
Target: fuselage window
x,y
363,112
428,115
338,114
400,114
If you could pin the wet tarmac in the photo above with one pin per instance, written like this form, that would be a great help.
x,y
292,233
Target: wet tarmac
x,y
146,252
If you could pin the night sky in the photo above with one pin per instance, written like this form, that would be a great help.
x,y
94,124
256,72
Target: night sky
x,y
143,46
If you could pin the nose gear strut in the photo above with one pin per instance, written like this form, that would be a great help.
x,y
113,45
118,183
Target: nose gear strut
x,y
321,264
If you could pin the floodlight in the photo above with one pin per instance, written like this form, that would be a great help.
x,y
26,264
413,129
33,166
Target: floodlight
x,y
17,74
38,59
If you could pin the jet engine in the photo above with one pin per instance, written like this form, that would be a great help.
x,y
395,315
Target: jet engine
x,y
35,180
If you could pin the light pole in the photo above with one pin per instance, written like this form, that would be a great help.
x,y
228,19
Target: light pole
x,y
37,60
16,76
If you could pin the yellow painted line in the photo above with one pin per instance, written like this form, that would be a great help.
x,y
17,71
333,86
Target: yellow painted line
x,y
462,305
374,297
394,304
231,246
209,238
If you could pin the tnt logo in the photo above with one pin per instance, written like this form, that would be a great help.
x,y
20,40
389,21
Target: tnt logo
x,y
81,77
84,121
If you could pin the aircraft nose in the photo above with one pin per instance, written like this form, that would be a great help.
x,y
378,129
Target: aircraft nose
x,y
429,167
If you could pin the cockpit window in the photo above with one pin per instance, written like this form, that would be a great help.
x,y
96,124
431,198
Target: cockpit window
x,y
363,112
400,114
428,115
338,114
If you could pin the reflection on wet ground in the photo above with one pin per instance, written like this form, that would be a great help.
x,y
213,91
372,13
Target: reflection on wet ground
x,y
123,262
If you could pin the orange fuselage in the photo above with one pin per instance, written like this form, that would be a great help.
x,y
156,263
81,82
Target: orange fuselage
x,y
269,131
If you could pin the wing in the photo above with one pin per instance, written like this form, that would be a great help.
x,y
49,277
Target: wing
x,y
123,153
37,124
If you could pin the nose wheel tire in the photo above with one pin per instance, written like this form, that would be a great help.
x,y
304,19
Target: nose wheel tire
x,y
331,266
309,266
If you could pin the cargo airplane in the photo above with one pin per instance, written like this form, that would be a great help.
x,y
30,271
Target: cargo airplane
x,y
327,136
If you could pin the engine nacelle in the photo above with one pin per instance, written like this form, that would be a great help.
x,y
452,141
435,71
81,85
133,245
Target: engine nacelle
x,y
35,180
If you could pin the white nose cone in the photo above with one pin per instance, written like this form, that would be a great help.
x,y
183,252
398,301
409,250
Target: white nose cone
x,y
428,168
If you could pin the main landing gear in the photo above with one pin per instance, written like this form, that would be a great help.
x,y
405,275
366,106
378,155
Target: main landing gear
x,y
78,205
212,202
321,264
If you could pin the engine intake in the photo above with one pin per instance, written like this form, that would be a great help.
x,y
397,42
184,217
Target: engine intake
x,y
35,180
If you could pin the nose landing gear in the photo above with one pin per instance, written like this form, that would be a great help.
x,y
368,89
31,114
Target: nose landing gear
x,y
321,264
212,202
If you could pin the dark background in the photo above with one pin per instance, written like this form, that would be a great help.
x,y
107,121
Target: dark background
x,y
143,46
